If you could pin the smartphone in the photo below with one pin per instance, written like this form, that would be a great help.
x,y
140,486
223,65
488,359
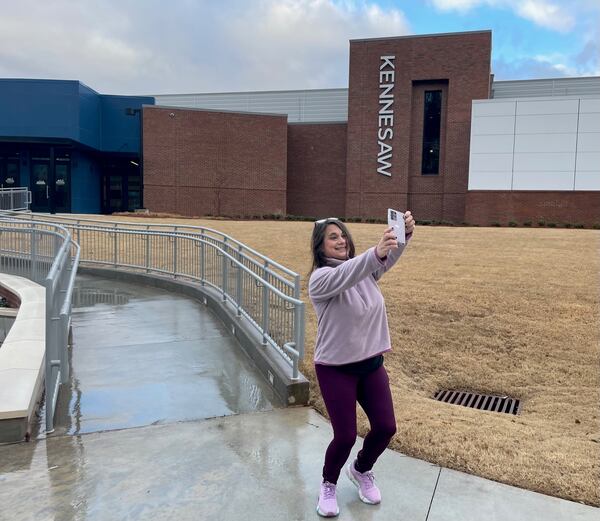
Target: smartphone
x,y
396,221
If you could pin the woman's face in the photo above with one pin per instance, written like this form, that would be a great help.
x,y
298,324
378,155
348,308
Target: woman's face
x,y
335,245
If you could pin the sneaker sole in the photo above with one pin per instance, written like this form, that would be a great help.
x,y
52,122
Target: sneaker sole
x,y
357,484
327,515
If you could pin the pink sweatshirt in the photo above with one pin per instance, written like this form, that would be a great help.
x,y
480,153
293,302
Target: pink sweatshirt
x,y
351,318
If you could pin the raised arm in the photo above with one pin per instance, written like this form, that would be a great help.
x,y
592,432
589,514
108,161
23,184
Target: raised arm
x,y
327,282
394,252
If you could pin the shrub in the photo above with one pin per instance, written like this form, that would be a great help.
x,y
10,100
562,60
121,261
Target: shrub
x,y
495,223
300,218
568,225
551,225
541,223
527,223
423,223
513,224
579,225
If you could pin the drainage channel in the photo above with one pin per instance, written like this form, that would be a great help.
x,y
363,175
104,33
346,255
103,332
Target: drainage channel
x,y
482,402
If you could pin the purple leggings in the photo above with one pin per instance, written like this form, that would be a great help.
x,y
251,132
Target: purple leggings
x,y
340,392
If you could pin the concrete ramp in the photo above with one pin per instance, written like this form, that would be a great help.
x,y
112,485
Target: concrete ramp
x,y
145,356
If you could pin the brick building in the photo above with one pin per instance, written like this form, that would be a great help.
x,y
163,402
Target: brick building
x,y
421,126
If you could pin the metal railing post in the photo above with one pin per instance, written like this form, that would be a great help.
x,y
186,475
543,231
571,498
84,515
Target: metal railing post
x,y
225,275
63,346
265,305
49,385
299,329
115,246
202,262
148,239
33,250
175,256
239,285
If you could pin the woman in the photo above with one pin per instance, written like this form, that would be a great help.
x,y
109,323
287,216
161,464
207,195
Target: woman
x,y
352,335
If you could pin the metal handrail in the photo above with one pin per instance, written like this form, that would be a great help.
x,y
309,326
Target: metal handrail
x,y
15,199
257,290
43,252
175,227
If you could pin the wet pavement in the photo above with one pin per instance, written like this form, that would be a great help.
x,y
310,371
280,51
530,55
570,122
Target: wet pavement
x,y
143,356
247,467
132,444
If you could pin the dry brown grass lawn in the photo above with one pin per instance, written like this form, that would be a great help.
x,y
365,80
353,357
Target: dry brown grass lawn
x,y
496,310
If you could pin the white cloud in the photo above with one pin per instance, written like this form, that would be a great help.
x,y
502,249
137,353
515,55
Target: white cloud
x,y
547,66
545,13
147,46
304,44
458,5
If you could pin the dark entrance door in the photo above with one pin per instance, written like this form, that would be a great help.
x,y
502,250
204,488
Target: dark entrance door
x,y
9,172
50,180
62,182
116,191
40,191
9,167
122,185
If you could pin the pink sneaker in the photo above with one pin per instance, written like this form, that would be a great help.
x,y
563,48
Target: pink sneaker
x,y
327,505
367,489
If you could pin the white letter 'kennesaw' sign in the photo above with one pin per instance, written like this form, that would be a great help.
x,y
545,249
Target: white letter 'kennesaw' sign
x,y
386,115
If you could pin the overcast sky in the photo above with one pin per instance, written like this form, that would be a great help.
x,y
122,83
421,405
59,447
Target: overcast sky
x,y
187,46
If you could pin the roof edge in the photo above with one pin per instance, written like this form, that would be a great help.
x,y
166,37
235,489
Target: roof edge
x,y
481,31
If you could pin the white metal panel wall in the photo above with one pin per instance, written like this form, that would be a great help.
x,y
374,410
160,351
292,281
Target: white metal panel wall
x,y
573,87
535,144
301,106
587,171
492,145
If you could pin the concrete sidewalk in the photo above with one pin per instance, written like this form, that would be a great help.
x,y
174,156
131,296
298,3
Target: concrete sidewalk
x,y
257,466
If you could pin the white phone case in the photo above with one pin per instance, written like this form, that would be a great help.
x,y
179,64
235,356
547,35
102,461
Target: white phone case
x,y
396,220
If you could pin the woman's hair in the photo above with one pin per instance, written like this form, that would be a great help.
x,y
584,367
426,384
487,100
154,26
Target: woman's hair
x,y
318,238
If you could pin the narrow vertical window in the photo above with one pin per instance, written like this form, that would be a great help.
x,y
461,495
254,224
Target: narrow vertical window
x,y
432,121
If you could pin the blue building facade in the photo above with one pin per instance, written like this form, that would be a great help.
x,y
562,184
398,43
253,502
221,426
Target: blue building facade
x,y
77,150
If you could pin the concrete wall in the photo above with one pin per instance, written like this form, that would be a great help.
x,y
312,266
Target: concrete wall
x,y
316,170
199,162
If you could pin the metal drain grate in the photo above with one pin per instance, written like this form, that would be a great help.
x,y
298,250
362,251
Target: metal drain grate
x,y
483,402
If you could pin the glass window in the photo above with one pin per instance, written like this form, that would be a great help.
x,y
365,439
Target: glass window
x,y
432,122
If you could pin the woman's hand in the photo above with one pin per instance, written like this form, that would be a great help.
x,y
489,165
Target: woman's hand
x,y
386,243
409,222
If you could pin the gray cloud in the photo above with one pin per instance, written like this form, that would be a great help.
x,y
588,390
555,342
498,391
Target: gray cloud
x,y
184,46
136,46
589,57
529,68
